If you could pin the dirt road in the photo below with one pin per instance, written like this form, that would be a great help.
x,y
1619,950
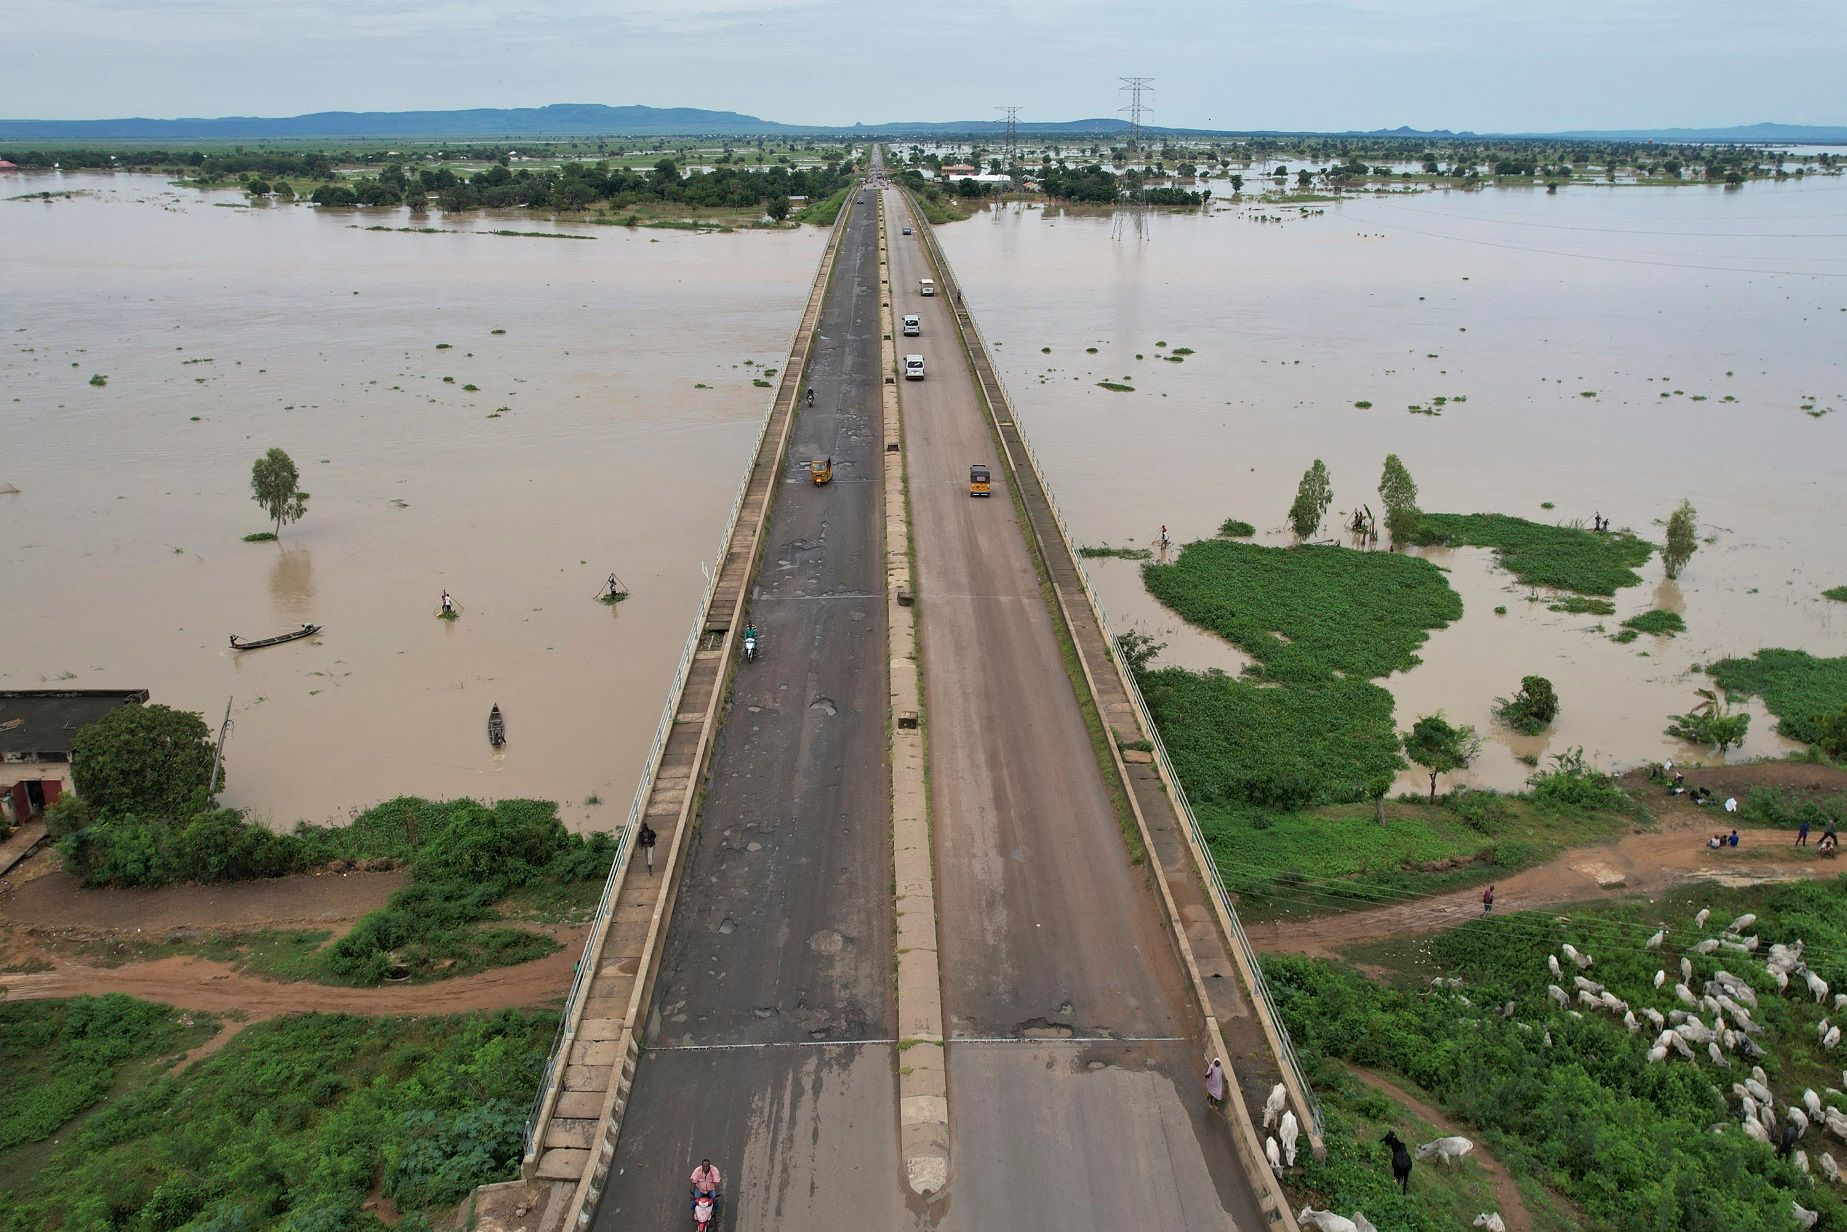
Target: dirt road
x,y
1645,862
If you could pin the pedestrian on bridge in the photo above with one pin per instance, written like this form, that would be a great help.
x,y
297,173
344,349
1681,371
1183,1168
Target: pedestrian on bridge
x,y
1215,1083
644,837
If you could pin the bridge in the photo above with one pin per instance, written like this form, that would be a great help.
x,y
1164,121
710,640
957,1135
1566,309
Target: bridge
x,y
932,940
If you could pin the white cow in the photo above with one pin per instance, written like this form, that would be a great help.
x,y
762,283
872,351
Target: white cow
x,y
1272,1153
1325,1221
1273,1105
1290,1132
1448,1150
1491,1221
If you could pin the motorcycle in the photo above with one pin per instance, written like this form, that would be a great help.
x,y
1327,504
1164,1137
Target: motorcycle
x,y
811,397
750,647
705,1212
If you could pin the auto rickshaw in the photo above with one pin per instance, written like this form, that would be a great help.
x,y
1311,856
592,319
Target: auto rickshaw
x,y
978,480
821,470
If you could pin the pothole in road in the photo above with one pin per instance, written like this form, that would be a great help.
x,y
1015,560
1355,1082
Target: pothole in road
x,y
827,941
1044,1028
765,1011
825,705
727,926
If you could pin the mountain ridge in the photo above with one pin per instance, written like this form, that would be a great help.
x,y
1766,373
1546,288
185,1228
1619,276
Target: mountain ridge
x,y
599,120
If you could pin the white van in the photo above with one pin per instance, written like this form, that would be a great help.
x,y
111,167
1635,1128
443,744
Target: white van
x,y
913,325
926,286
913,367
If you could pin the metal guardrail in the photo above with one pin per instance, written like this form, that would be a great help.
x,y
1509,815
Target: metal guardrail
x,y
651,763
1215,882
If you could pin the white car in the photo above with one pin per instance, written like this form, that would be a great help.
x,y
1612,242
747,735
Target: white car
x,y
913,325
913,368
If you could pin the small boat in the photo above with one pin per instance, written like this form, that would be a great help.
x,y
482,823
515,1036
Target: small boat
x,y
237,643
496,727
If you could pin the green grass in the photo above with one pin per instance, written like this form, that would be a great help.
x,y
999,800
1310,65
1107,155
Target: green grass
x,y
1573,1100
1352,1176
1093,552
1234,740
1562,557
262,536
1795,685
1580,605
59,1058
1657,622
1339,858
1234,528
1309,613
1306,724
1838,594
293,1124
822,213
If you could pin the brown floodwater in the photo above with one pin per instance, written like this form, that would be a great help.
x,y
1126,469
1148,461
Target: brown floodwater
x,y
221,332
1520,302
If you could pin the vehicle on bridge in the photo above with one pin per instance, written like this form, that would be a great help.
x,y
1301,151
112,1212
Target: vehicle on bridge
x,y
907,230
978,480
913,368
913,325
821,470
926,286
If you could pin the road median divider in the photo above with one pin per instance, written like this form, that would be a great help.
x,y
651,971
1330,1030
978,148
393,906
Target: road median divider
x,y
923,1072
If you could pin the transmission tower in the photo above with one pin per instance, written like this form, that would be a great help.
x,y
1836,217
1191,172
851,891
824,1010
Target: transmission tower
x,y
1135,87
1012,139
1135,218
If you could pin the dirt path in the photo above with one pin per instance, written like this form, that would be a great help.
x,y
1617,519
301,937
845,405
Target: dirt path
x,y
39,894
1638,863
215,987
42,908
1507,1197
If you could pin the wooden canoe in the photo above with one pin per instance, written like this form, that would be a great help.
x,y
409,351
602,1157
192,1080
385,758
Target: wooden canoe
x,y
496,727
238,643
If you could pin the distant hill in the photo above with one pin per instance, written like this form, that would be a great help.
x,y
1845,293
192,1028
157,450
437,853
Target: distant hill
x,y
1746,134
597,120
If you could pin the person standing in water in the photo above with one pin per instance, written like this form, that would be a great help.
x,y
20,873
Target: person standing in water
x,y
448,604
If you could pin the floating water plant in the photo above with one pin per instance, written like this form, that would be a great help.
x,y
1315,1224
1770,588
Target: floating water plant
x,y
1116,387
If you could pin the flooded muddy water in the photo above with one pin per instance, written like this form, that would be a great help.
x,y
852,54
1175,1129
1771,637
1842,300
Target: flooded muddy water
x,y
626,416
1607,350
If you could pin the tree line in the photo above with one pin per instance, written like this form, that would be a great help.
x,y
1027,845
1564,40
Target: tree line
x,y
579,185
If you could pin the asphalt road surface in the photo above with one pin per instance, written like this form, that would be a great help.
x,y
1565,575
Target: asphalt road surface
x,y
1074,1076
778,966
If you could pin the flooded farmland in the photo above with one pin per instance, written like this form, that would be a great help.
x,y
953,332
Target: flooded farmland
x,y
1603,350
508,418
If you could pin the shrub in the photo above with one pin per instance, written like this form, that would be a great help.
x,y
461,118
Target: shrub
x,y
1482,811
1234,528
1657,622
1573,784
1532,709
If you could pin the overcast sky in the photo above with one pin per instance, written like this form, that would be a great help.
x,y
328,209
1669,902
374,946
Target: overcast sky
x,y
1488,65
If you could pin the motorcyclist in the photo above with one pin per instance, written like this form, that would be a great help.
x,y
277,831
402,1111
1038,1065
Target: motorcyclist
x,y
811,395
707,1183
750,638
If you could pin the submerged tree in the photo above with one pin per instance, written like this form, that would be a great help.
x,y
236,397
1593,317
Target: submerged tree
x,y
1711,722
1440,746
1532,709
1312,499
274,484
1399,493
1682,539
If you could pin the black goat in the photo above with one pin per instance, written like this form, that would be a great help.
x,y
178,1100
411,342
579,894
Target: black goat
x,y
1401,1160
